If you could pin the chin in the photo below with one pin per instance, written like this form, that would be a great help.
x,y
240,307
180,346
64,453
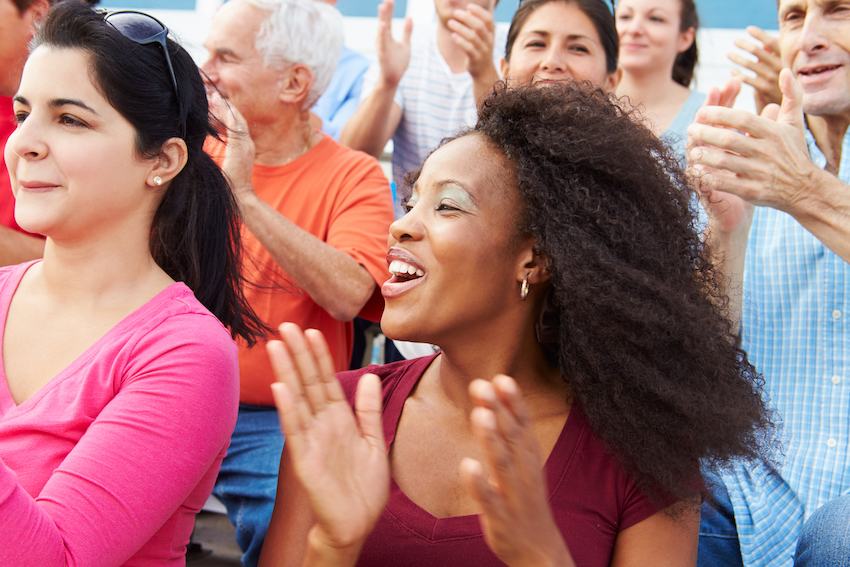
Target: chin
x,y
827,103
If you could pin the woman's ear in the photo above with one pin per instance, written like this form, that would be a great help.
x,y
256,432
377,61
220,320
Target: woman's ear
x,y
686,39
532,265
170,161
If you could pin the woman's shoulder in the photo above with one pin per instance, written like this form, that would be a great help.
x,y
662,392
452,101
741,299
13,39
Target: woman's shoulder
x,y
391,375
175,326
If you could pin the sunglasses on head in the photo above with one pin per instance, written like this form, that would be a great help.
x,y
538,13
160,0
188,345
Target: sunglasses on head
x,y
145,29
613,9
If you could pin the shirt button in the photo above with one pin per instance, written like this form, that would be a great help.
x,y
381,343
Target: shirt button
x,y
831,443
836,314
836,380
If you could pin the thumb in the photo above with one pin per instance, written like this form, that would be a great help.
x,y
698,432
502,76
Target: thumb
x,y
367,404
408,29
791,110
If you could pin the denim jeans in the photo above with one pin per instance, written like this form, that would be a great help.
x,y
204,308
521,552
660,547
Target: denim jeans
x,y
247,482
718,534
825,540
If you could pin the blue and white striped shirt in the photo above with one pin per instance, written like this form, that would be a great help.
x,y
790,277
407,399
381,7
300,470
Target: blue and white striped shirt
x,y
796,330
435,102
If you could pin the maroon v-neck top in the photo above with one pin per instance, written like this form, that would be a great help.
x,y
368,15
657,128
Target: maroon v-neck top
x,y
592,498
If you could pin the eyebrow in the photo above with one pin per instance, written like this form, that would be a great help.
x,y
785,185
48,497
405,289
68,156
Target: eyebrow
x,y
59,102
445,182
570,37
225,51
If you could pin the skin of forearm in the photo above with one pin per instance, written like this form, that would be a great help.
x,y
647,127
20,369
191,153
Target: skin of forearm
x,y
17,247
728,252
482,86
824,211
370,127
332,278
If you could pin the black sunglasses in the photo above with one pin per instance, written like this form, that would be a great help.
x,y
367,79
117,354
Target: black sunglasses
x,y
145,29
613,9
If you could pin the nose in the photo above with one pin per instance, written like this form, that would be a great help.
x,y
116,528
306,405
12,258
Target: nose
x,y
208,70
408,227
27,141
812,38
553,61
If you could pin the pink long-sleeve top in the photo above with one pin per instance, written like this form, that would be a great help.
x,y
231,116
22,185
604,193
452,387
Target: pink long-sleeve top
x,y
108,463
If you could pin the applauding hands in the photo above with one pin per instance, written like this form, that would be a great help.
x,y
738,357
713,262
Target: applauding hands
x,y
340,458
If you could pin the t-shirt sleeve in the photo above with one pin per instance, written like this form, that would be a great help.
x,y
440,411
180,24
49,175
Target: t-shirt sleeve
x,y
361,223
637,506
149,448
370,79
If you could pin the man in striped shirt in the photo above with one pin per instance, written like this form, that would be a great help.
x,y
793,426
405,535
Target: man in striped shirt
x,y
419,92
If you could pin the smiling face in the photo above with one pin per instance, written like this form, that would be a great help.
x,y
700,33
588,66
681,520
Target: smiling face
x,y
815,44
235,66
650,36
456,256
72,160
558,42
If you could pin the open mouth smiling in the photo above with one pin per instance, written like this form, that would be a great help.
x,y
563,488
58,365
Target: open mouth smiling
x,y
404,272
811,71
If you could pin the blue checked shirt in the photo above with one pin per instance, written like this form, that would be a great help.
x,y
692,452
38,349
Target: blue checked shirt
x,y
796,330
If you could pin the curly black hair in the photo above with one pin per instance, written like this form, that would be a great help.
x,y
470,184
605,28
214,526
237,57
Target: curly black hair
x,y
643,338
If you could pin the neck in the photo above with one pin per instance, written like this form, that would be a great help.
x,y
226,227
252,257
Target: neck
x,y
829,132
455,56
512,350
100,270
284,139
653,88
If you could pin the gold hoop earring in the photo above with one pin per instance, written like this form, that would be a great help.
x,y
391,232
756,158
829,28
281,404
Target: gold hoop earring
x,y
523,291
157,180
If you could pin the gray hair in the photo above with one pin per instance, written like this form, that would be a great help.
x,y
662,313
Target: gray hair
x,y
302,32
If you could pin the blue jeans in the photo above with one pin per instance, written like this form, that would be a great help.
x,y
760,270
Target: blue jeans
x,y
825,540
247,482
718,534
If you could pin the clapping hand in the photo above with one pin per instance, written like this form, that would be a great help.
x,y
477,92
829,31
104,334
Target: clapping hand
x,y
510,487
766,67
341,461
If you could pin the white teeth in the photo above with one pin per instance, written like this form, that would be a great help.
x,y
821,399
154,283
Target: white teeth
x,y
397,267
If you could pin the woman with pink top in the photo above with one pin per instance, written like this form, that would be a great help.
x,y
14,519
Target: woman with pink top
x,y
120,381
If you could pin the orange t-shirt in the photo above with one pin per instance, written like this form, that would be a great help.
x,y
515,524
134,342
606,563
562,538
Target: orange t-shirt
x,y
342,197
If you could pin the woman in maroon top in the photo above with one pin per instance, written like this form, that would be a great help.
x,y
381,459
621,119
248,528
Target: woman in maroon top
x,y
554,243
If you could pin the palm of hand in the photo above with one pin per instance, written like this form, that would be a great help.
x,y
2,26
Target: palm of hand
x,y
349,472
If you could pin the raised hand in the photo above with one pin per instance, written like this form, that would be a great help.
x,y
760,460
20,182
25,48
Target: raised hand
x,y
342,466
511,488
762,160
474,31
766,67
393,56
238,163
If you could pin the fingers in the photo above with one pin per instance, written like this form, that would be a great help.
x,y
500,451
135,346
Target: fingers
x,y
770,42
791,109
491,501
308,361
291,405
368,403
502,424
473,30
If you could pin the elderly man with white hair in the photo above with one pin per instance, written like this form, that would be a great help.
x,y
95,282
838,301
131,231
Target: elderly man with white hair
x,y
316,217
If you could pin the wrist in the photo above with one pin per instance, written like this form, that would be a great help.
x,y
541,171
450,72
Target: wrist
x,y
322,551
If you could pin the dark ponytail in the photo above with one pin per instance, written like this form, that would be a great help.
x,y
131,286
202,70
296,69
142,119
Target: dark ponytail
x,y
195,234
683,67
